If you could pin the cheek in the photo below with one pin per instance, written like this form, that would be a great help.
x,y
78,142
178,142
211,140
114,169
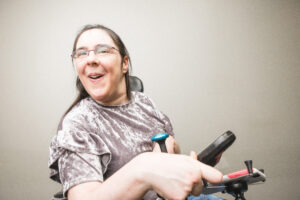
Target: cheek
x,y
112,63
79,69
114,69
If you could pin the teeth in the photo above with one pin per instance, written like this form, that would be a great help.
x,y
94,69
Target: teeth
x,y
95,76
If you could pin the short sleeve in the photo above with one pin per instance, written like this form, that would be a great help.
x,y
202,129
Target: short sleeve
x,y
77,134
77,168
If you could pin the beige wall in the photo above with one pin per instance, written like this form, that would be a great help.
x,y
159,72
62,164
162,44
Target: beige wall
x,y
210,65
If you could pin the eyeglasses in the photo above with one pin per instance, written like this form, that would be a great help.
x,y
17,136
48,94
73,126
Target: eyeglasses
x,y
100,50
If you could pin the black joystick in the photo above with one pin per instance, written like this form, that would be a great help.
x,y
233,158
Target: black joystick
x,y
160,138
249,167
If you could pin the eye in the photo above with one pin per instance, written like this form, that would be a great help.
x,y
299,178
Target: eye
x,y
102,49
81,53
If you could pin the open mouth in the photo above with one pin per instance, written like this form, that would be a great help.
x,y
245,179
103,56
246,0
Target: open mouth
x,y
95,76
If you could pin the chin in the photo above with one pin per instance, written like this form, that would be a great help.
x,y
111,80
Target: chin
x,y
98,96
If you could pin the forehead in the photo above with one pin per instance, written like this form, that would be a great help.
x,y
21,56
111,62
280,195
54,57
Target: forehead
x,y
91,38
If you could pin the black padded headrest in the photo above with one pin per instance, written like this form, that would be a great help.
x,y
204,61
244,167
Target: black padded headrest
x,y
136,84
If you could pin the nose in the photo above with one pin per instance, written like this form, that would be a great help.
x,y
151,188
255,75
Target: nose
x,y
92,58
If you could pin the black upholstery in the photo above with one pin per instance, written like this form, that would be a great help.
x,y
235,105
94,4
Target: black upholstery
x,y
136,84
59,196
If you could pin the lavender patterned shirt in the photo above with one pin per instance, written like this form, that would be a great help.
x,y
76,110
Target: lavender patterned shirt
x,y
94,141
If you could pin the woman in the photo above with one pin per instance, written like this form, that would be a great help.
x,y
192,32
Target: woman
x,y
103,148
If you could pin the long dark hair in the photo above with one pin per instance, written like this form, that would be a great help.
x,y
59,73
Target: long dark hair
x,y
82,93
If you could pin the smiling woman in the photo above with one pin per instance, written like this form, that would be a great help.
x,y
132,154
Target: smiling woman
x,y
77,58
103,147
105,84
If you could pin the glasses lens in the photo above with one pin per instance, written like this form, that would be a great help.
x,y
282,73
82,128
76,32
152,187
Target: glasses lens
x,y
81,53
102,49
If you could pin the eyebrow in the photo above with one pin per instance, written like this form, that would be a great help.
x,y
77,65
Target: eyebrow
x,y
80,48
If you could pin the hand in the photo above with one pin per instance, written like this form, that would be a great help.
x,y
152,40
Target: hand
x,y
171,143
175,176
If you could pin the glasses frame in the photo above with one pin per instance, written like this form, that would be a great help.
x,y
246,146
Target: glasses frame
x,y
88,51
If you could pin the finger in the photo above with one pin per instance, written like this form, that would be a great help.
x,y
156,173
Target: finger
x,y
170,141
156,147
197,188
210,174
193,155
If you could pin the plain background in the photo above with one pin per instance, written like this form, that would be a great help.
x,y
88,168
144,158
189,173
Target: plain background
x,y
211,66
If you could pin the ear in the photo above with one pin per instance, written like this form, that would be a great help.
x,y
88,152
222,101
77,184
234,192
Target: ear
x,y
125,64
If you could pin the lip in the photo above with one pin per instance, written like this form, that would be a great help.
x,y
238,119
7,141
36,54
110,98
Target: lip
x,y
95,74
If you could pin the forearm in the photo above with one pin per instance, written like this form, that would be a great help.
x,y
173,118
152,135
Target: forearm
x,y
178,175
126,183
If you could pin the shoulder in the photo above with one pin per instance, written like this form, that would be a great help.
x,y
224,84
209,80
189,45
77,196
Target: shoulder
x,y
78,130
145,102
83,107
82,113
142,98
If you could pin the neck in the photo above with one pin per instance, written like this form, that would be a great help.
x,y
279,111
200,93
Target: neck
x,y
120,100
119,97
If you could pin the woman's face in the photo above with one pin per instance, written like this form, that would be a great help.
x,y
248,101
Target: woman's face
x,y
102,75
